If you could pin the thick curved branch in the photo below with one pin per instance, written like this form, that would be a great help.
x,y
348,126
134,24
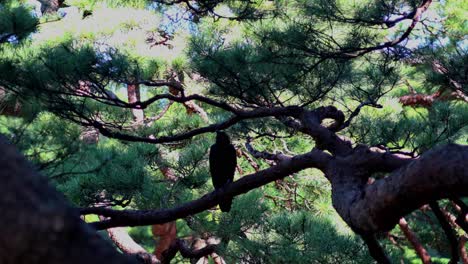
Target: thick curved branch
x,y
310,123
324,137
315,158
440,173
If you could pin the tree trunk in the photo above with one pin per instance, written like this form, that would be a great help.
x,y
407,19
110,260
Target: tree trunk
x,y
38,225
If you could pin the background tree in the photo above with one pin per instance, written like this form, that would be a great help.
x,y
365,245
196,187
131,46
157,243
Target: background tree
x,y
118,101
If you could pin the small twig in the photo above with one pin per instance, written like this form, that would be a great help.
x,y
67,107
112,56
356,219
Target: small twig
x,y
357,111
263,154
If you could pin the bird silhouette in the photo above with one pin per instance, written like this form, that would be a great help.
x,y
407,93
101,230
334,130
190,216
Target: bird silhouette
x,y
223,162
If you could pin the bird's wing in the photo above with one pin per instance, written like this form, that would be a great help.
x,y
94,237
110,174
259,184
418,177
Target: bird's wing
x,y
217,166
231,161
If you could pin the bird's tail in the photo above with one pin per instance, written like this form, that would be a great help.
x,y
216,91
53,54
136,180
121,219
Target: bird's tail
x,y
225,205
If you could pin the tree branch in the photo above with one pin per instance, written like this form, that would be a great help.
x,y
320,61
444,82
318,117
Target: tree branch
x,y
315,158
356,112
416,16
239,116
179,245
324,137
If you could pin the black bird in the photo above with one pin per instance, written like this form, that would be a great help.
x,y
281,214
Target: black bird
x,y
222,166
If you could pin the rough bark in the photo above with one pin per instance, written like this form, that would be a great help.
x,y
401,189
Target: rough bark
x,y
38,225
438,174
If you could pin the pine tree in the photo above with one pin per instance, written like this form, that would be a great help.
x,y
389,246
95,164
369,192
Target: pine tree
x,y
346,116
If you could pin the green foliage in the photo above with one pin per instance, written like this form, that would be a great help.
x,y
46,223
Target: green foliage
x,y
16,21
417,129
297,237
283,53
38,138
